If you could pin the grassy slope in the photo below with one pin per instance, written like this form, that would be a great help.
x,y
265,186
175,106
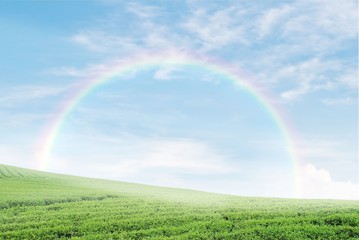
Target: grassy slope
x,y
38,205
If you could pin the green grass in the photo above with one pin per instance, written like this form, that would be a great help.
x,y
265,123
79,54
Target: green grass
x,y
39,205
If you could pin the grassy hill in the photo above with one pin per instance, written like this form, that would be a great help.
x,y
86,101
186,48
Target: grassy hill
x,y
39,205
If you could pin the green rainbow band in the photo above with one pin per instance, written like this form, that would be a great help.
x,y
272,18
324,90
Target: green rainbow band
x,y
170,57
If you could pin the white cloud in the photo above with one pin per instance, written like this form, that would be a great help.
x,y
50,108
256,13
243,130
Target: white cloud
x,y
318,183
337,154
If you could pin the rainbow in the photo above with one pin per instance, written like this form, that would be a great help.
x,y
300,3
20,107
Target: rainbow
x,y
165,58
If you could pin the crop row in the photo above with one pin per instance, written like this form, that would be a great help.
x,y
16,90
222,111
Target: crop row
x,y
10,172
134,218
38,205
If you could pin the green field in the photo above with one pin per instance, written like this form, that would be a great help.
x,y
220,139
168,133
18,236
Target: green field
x,y
39,205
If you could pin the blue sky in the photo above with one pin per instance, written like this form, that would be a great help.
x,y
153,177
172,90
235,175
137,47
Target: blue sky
x,y
186,126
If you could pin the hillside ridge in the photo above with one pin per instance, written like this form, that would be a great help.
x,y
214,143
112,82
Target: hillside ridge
x,y
7,171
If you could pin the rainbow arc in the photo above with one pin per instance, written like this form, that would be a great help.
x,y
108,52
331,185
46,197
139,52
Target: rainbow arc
x,y
167,58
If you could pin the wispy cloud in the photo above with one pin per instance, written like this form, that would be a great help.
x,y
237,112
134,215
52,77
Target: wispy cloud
x,y
312,30
313,148
17,155
165,73
92,70
100,41
192,156
310,75
20,94
87,72
143,11
304,38
337,19
303,35
318,147
339,101
21,119
350,78
171,156
271,18
87,41
216,29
